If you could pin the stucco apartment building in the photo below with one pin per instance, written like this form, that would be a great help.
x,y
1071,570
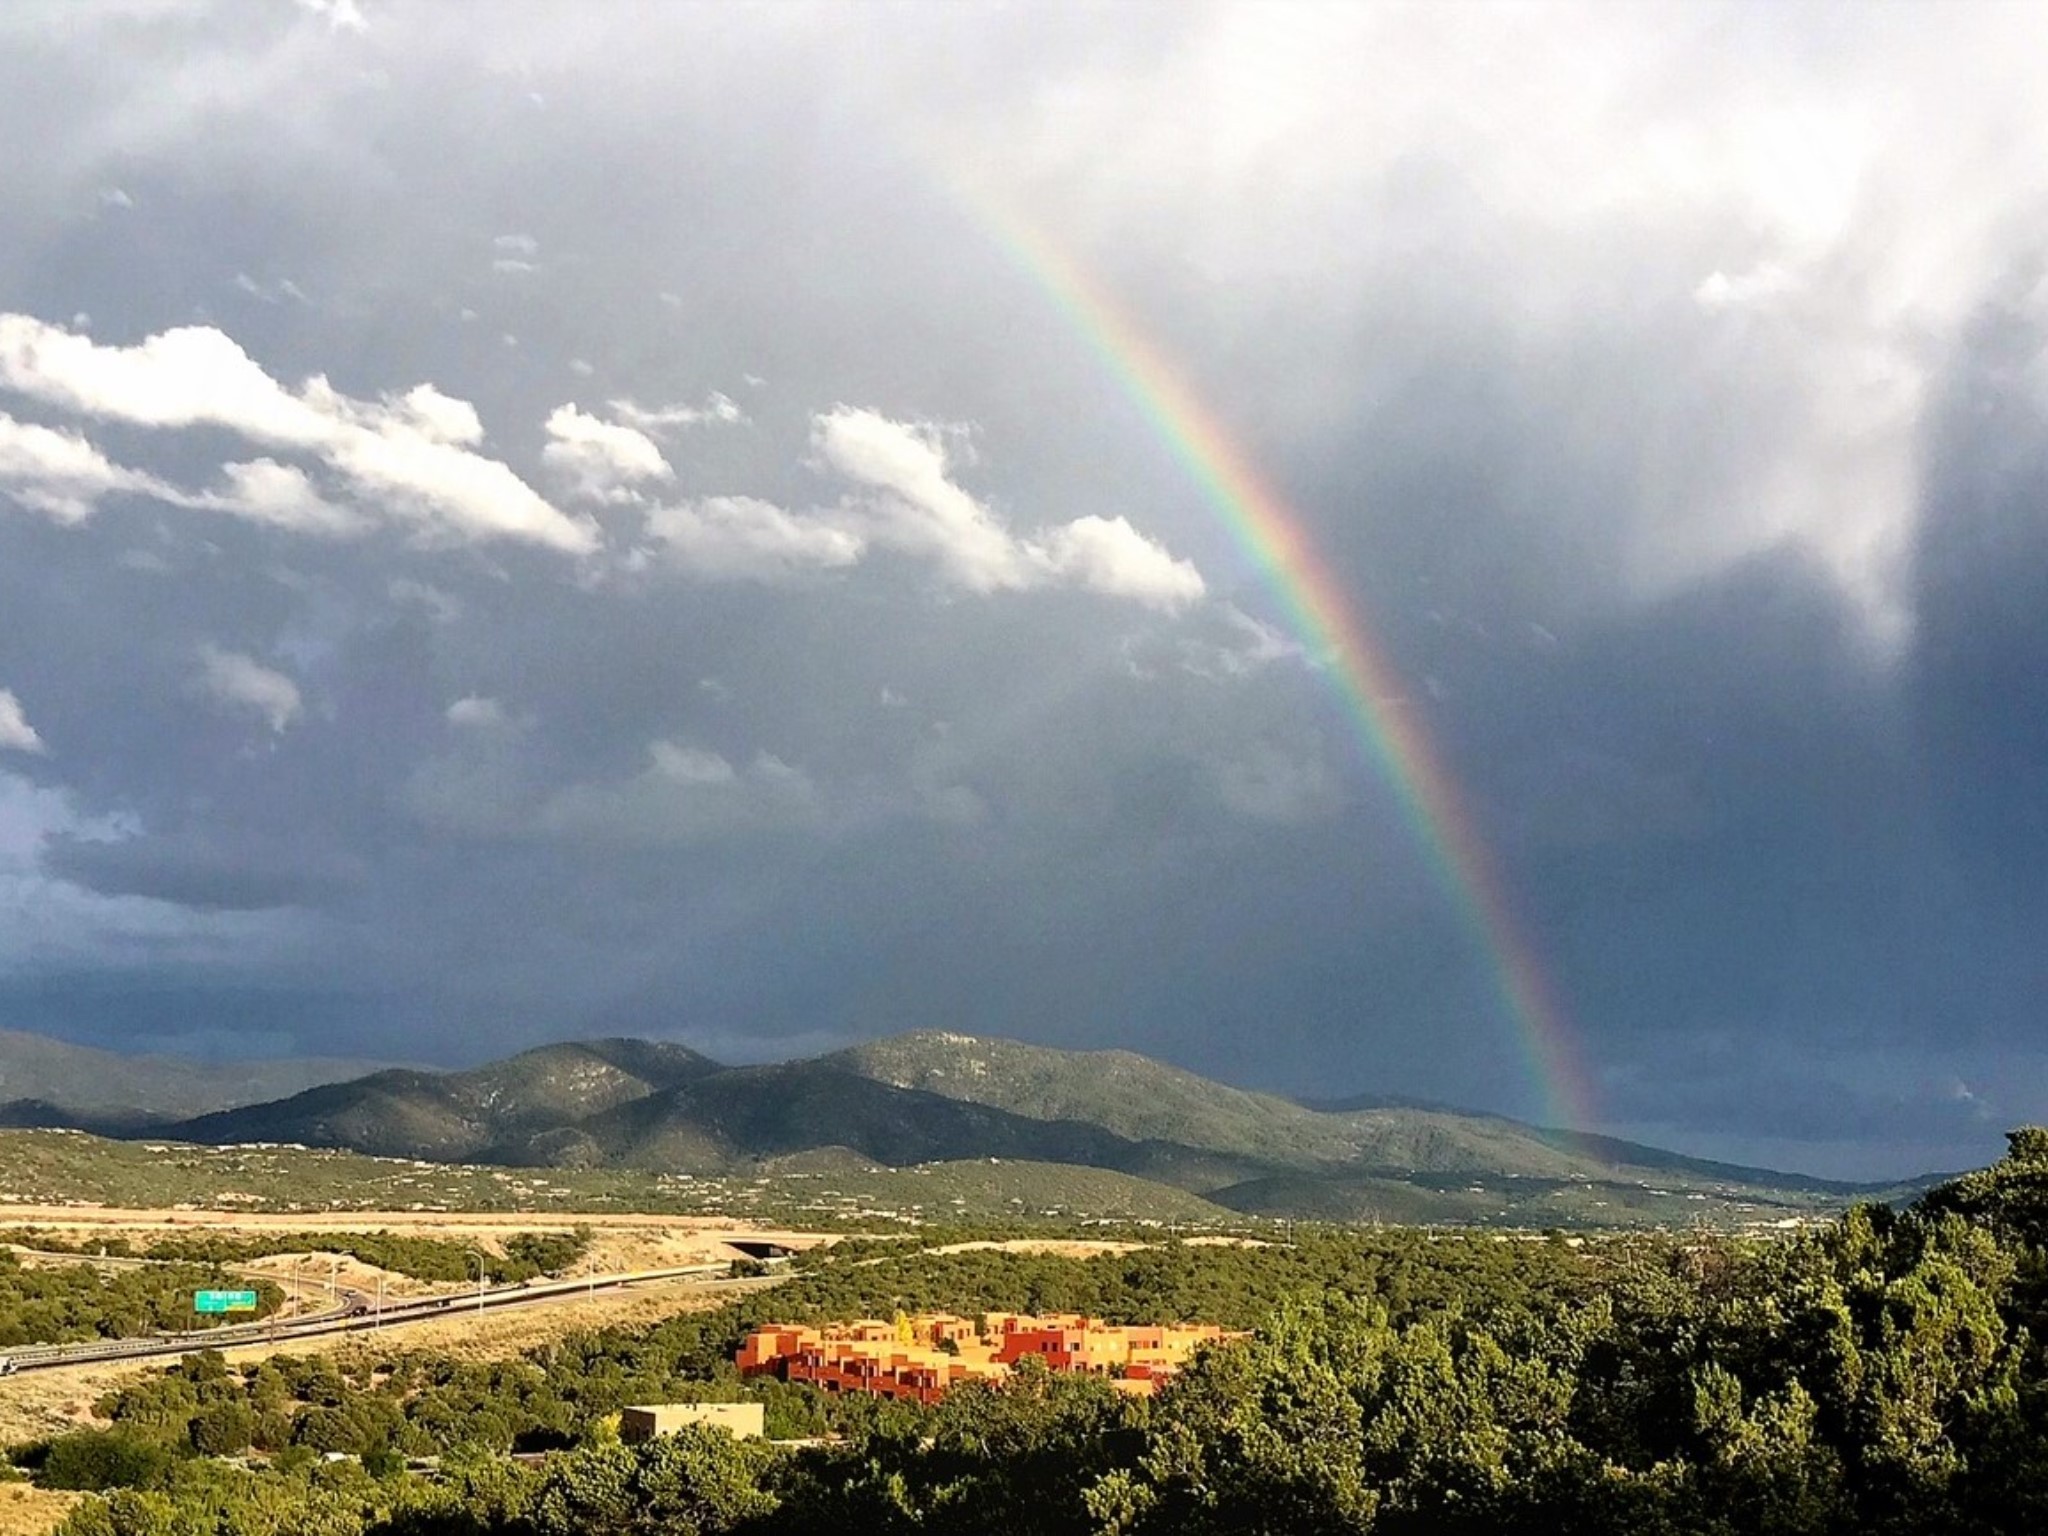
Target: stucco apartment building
x,y
917,1359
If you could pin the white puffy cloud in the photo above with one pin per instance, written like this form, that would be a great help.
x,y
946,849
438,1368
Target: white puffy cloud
x,y
243,684
910,502
741,538
410,457
905,499
441,417
60,474
283,495
16,734
1108,555
601,460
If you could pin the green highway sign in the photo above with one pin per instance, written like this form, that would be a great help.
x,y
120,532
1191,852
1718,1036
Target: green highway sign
x,y
224,1301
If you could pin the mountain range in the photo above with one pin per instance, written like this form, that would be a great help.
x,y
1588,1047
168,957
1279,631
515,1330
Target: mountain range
x,y
51,1082
934,1097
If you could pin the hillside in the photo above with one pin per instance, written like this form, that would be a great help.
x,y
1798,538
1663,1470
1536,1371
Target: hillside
x,y
45,1081
506,1111
1180,1113
760,1113
931,1098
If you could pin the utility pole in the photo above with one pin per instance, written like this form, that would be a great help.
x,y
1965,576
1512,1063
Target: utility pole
x,y
477,1254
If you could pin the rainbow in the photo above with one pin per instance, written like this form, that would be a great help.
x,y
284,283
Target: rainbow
x,y
1325,620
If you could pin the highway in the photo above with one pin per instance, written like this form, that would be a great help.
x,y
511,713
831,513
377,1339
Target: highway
x,y
355,1311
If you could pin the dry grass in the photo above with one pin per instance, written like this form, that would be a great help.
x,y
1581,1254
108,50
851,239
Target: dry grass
x,y
26,1511
1052,1247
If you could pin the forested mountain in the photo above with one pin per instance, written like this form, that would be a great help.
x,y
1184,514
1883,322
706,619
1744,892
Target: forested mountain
x,y
517,1110
935,1097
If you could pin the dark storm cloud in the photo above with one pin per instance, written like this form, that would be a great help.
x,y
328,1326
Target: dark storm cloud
x,y
188,873
1679,431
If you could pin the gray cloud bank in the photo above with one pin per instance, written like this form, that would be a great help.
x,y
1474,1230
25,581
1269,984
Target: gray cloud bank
x,y
589,525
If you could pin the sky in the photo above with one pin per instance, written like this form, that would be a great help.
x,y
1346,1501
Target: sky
x,y
592,519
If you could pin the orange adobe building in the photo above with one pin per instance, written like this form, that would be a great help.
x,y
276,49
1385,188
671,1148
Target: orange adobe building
x,y
916,1359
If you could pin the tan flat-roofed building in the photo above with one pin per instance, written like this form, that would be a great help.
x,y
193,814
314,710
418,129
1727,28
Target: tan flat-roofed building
x,y
745,1421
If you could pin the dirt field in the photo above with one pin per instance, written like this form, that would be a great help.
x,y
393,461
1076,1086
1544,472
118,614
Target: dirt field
x,y
1060,1248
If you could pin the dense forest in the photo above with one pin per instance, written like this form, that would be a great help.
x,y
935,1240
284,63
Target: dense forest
x,y
1881,1375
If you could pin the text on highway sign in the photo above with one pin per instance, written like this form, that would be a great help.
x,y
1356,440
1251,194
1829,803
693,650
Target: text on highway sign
x,y
224,1301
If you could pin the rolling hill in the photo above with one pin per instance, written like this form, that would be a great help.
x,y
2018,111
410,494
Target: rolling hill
x,y
930,1098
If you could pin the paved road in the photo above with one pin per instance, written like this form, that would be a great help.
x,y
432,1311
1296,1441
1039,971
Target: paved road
x,y
355,1311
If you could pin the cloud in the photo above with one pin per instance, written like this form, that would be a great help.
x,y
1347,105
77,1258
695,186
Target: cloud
x,y
408,457
477,713
1243,646
601,460
911,503
907,501
48,919
16,734
1268,783
686,795
440,606
242,683
191,871
441,417
267,293
1108,555
282,495
1766,281
717,409
340,15
741,538
60,474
